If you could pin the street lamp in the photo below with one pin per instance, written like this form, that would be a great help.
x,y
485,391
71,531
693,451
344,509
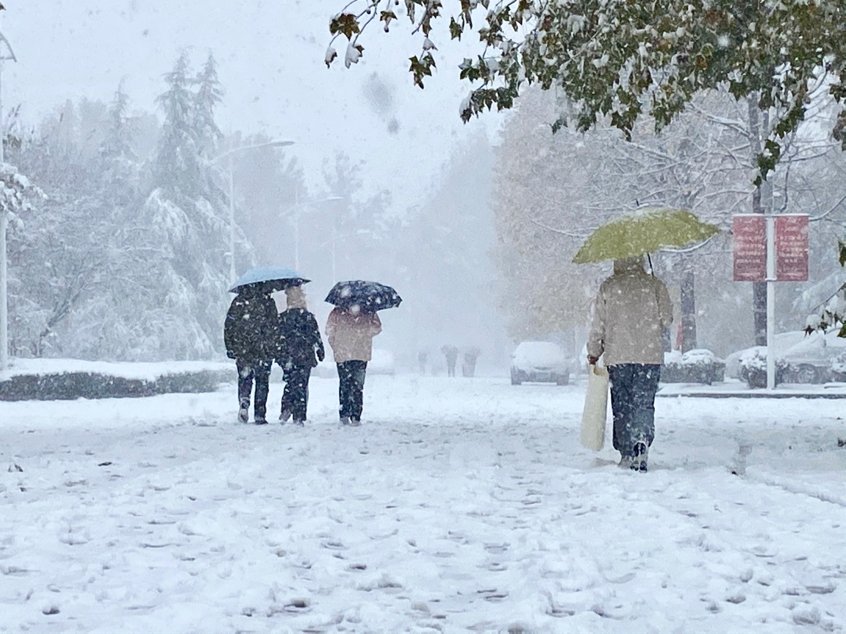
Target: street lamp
x,y
6,53
229,154
297,206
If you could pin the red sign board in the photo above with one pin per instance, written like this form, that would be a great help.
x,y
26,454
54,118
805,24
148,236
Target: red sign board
x,y
791,236
750,247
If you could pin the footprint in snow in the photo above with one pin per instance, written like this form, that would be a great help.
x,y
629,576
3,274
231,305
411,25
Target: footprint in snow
x,y
496,549
492,594
494,566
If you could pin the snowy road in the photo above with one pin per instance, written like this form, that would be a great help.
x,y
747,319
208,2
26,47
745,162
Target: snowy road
x,y
459,505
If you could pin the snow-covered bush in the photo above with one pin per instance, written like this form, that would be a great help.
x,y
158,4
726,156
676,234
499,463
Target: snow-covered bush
x,y
694,366
753,364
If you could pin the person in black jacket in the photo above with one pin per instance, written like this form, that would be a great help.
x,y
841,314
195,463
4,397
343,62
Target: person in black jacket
x,y
300,348
249,335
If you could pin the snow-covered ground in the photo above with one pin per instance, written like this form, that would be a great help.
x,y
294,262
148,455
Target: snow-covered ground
x,y
148,371
459,505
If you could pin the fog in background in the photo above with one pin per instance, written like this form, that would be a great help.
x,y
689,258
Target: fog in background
x,y
383,181
126,255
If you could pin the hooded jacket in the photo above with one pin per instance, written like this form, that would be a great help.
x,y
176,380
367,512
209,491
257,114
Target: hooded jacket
x,y
249,332
299,339
351,334
630,312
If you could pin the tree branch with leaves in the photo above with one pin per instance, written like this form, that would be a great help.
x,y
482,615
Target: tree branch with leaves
x,y
618,59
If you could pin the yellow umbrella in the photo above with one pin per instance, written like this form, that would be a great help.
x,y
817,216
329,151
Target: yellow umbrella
x,y
643,231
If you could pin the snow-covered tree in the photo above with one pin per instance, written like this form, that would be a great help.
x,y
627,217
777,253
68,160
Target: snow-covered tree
x,y
615,61
118,143
621,59
185,224
551,191
209,94
178,166
545,193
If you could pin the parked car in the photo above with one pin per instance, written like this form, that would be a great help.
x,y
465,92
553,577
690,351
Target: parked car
x,y
816,358
694,366
811,360
540,361
783,341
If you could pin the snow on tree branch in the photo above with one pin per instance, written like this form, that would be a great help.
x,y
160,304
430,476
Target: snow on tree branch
x,y
619,60
17,192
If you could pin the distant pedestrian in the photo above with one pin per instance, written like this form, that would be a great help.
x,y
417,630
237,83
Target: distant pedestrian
x,y
630,314
451,355
422,359
468,363
249,335
350,333
300,349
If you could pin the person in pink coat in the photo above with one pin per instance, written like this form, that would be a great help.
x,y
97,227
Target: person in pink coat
x,y
350,334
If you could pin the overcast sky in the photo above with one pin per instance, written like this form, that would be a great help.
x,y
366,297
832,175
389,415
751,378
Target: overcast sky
x,y
270,55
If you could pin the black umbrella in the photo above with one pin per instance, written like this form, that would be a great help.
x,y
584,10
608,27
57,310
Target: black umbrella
x,y
367,296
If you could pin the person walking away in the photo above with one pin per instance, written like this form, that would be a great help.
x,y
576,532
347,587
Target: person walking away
x,y
350,334
468,364
249,334
630,313
451,354
300,349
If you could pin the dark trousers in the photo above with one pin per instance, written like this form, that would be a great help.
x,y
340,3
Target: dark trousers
x,y
351,387
633,388
260,371
295,396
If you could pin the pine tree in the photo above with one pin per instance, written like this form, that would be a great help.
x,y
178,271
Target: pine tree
x,y
177,166
186,225
208,96
118,141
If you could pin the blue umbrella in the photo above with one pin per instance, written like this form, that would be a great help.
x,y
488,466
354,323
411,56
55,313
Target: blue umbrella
x,y
268,278
367,296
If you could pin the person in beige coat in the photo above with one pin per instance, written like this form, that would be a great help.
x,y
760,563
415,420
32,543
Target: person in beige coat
x,y
630,313
350,334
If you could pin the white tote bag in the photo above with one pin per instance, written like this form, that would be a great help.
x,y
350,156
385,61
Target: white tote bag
x,y
596,406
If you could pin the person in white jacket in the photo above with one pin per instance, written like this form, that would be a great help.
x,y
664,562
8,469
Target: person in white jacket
x,y
350,334
630,313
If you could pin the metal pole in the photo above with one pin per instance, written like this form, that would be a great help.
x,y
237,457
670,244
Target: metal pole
x,y
334,246
297,229
771,279
229,154
232,273
4,223
4,305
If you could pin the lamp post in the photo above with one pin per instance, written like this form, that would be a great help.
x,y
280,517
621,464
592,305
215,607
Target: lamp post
x,y
298,205
6,53
229,154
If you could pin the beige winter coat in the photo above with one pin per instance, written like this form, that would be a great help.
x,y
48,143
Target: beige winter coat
x,y
351,334
629,313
